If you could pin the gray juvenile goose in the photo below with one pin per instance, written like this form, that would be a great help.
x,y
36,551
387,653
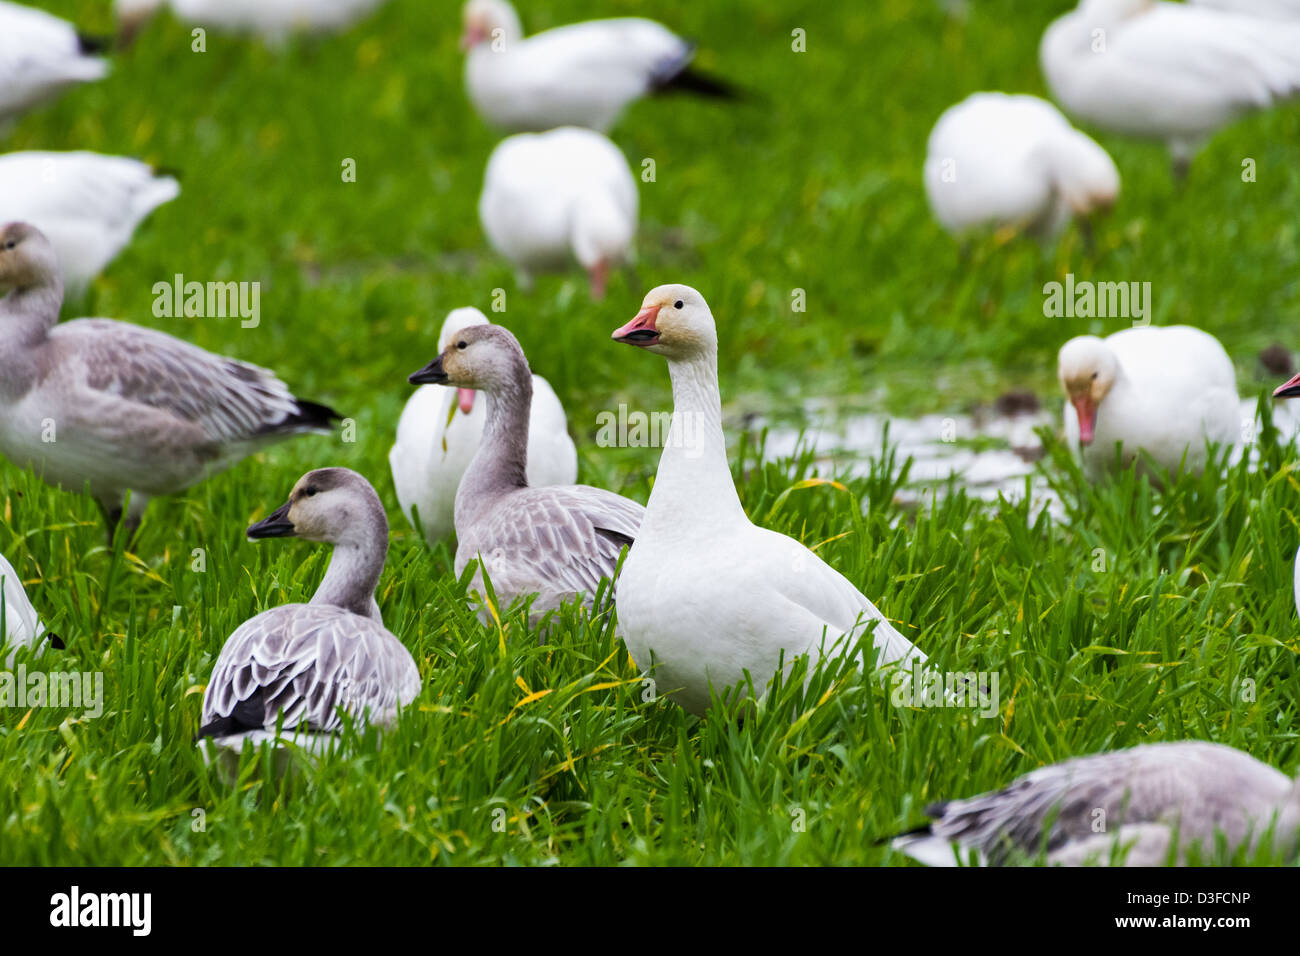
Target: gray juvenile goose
x,y
308,660
120,407
557,542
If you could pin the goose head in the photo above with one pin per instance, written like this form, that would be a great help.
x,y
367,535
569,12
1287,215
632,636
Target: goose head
x,y
674,322
331,505
1091,182
601,237
457,321
483,357
26,257
486,21
1087,369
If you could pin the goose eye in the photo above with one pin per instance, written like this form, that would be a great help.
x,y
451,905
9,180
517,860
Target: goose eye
x,y
11,244
309,491
1094,375
462,344
678,304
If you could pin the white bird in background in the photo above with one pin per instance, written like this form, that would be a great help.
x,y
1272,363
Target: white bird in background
x,y
1165,391
22,625
1290,389
583,74
1277,9
272,20
1168,71
1155,801
550,198
439,433
40,57
705,594
999,160
87,205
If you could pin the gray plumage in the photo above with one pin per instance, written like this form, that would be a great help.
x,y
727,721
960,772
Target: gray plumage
x,y
1149,803
557,542
302,663
123,408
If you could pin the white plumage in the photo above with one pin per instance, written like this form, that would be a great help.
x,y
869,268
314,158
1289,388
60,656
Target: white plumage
x,y
1163,390
40,57
22,625
88,205
704,593
550,198
272,20
437,439
1168,71
1000,160
1277,9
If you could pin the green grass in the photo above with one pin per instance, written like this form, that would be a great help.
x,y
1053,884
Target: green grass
x,y
519,753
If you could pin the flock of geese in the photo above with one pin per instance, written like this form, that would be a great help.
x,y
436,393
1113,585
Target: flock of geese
x,y
482,449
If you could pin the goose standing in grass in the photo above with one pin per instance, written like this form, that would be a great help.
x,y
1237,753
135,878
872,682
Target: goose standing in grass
x,y
22,625
1154,802
551,198
303,663
1168,71
997,160
1165,391
87,205
440,431
123,409
558,543
272,20
40,57
583,74
706,594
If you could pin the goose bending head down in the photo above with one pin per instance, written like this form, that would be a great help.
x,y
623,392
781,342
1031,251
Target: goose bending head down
x,y
705,594
1087,369
130,411
555,543
306,661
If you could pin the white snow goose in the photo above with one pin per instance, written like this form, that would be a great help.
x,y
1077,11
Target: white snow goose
x,y
557,543
1290,389
88,205
22,625
1276,9
125,409
1168,71
40,57
1155,803
552,198
441,429
1162,391
996,160
583,74
274,21
706,594
304,663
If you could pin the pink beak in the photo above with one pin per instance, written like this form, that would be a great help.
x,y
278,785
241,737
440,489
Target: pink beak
x,y
1086,411
466,398
472,37
641,331
1289,389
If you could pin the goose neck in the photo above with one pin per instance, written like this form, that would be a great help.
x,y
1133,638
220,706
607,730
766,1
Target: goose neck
x,y
501,463
354,570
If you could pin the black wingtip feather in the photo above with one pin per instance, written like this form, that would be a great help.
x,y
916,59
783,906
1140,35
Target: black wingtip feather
x,y
310,415
92,45
690,80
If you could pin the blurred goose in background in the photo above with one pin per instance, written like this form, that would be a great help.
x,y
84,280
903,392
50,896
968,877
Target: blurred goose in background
x,y
583,74
1291,389
122,408
87,205
1154,802
1165,391
551,198
440,431
706,594
997,160
1277,9
1168,71
308,661
22,625
559,542
40,57
272,20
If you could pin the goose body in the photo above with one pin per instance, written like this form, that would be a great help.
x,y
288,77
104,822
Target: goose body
x,y
1165,391
551,198
303,663
22,625
554,544
1277,9
705,594
122,408
437,439
40,57
999,160
1154,803
87,205
1168,71
583,74
273,20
